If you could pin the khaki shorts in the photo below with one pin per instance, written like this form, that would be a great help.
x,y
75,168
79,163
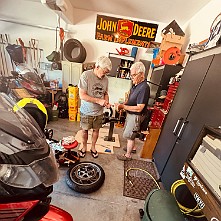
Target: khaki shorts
x,y
87,122
132,126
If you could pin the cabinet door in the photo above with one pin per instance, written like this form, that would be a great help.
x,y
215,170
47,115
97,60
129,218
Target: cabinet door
x,y
206,110
161,76
155,78
115,64
66,72
76,71
169,71
189,86
147,66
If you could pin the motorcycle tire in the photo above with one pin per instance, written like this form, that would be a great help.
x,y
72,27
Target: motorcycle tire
x,y
85,177
69,46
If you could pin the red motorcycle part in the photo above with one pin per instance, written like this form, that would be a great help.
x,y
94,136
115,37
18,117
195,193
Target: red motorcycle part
x,y
57,214
16,211
171,55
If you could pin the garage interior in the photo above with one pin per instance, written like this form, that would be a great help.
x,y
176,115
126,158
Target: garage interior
x,y
174,174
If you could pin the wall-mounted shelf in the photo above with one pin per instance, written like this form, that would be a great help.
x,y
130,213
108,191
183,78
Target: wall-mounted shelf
x,y
121,65
201,172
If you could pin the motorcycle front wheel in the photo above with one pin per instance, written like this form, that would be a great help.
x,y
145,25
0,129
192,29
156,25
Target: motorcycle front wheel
x,y
85,177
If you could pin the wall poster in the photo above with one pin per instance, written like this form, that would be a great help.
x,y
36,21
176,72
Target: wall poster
x,y
124,31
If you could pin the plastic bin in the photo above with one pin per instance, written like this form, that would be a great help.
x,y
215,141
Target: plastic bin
x,y
54,115
160,205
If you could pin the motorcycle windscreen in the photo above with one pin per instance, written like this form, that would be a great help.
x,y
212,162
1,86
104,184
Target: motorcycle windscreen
x,y
32,77
25,157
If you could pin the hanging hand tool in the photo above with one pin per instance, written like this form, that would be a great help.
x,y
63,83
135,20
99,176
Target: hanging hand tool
x,y
4,61
61,34
24,51
7,42
37,52
2,55
34,42
30,50
39,61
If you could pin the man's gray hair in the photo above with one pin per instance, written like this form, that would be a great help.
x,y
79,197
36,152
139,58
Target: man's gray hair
x,y
104,62
139,67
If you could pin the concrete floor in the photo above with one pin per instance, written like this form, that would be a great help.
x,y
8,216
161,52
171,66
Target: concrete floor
x,y
106,204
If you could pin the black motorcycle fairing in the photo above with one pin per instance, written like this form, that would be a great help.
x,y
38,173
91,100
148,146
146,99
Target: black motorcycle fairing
x,y
15,131
11,194
26,159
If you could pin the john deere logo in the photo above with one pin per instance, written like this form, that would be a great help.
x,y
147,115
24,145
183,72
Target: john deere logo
x,y
125,28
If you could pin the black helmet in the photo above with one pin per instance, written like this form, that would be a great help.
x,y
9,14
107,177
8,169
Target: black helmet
x,y
27,164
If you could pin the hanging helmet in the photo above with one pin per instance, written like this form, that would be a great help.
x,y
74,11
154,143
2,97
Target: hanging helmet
x,y
27,164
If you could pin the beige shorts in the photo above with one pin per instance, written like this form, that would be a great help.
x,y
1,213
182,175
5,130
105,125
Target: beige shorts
x,y
91,122
132,126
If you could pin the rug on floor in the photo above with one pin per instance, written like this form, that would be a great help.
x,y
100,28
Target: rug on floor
x,y
142,182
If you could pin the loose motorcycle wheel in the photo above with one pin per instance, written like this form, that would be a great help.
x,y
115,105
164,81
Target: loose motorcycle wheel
x,y
85,177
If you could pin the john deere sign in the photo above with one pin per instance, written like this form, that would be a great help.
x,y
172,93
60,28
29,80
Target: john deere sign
x,y
125,31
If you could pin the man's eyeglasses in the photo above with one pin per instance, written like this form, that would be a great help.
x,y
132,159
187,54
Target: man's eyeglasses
x,y
105,71
133,75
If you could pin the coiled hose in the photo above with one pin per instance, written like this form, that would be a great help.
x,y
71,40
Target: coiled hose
x,y
142,171
195,212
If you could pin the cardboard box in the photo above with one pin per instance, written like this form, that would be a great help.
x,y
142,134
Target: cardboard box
x,y
170,40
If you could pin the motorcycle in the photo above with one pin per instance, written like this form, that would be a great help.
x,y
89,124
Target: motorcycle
x,y
9,86
28,168
27,84
29,79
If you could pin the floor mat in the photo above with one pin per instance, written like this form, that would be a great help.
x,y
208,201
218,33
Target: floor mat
x,y
142,183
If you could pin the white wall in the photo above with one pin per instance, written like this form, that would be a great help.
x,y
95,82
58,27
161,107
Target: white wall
x,y
84,30
198,28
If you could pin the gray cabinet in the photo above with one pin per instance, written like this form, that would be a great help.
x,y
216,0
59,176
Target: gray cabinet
x,y
197,102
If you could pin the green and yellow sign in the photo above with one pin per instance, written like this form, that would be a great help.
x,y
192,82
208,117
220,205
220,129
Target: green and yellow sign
x,y
125,31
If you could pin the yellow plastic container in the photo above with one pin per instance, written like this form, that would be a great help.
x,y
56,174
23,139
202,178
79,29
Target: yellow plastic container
x,y
72,116
73,109
73,92
72,102
78,116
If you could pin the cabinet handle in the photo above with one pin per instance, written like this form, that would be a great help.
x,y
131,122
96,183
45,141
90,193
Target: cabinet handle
x,y
182,129
177,125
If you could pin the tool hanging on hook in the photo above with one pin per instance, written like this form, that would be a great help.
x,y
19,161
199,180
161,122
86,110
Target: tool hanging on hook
x,y
6,42
30,52
61,35
24,50
2,63
34,43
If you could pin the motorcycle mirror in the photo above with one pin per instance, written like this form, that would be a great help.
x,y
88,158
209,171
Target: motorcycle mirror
x,y
43,76
14,73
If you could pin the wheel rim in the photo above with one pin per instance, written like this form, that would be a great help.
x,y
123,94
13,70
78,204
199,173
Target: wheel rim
x,y
85,174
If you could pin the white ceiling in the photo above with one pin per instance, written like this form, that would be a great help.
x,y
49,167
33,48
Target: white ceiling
x,y
163,11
